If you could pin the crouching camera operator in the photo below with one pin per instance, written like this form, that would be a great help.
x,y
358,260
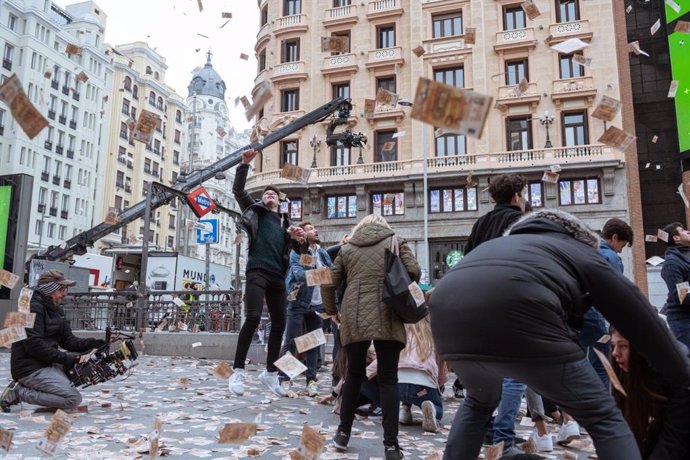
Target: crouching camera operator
x,y
38,363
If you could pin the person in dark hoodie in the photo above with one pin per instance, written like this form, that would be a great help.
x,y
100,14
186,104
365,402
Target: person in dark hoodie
x,y
510,309
270,234
38,363
676,270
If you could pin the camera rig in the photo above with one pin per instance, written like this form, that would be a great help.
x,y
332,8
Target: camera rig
x,y
102,364
347,137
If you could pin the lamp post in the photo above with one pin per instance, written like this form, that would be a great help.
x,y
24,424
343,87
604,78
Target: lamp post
x,y
315,142
189,170
546,120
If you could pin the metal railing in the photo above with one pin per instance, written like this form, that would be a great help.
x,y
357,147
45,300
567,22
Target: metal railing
x,y
209,311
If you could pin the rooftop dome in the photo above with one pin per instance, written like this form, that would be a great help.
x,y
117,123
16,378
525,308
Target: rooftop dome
x,y
207,82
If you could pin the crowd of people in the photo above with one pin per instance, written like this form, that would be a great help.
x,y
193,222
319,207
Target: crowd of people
x,y
524,313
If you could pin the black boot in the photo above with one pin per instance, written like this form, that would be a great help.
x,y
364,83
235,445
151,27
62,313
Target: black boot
x,y
394,453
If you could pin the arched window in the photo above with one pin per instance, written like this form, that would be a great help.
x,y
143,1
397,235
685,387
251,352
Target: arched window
x,y
178,116
148,70
155,75
128,83
135,92
152,98
159,104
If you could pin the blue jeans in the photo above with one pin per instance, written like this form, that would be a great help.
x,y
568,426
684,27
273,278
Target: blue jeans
x,y
298,316
504,423
680,326
49,387
409,395
593,327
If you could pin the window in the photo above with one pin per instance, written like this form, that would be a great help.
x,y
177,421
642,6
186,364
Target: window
x,y
535,194
152,98
578,191
450,145
177,136
387,83
118,202
567,11
123,130
178,116
289,100
385,37
386,146
12,21
388,204
288,152
574,128
125,107
453,76
264,16
519,133
159,103
513,18
340,155
338,3
569,68
176,157
290,50
341,90
120,179
135,92
346,35
447,25
291,7
516,70
262,60
453,199
341,206
128,83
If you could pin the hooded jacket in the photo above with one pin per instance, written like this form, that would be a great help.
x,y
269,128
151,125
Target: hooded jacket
x,y
676,269
515,299
45,341
363,315
251,211
492,225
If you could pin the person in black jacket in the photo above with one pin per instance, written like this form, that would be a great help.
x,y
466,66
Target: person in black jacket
x,y
676,270
269,234
38,363
511,309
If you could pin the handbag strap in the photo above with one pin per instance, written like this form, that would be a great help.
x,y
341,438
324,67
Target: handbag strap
x,y
395,249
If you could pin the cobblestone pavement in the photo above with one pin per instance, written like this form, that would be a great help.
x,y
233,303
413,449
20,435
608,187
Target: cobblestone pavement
x,y
194,405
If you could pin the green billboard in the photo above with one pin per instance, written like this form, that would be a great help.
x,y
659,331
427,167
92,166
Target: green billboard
x,y
679,47
5,196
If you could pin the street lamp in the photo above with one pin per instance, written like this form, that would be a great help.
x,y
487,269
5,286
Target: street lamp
x,y
315,142
547,120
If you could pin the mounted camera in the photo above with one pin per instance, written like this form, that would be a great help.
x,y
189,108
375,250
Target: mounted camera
x,y
346,137
103,365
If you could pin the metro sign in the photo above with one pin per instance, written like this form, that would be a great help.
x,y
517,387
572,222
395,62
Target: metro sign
x,y
201,202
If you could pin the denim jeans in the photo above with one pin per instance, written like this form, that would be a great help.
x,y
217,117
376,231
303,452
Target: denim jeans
x,y
409,395
504,422
298,316
49,387
573,385
680,326
593,327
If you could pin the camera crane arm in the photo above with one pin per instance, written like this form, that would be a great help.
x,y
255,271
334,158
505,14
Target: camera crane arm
x,y
79,243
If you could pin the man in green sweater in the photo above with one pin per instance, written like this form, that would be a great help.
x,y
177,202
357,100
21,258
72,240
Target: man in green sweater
x,y
270,237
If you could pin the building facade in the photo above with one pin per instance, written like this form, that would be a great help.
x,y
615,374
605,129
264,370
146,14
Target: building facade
x,y
139,84
212,137
66,159
436,186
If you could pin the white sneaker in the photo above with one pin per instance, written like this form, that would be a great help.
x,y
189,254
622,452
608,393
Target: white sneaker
x,y
568,432
236,383
429,422
405,415
312,389
270,379
542,443
286,385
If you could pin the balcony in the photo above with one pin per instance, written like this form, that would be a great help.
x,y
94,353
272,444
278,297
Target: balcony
x,y
7,64
262,36
451,45
340,63
128,188
62,119
65,90
157,151
385,112
119,185
384,8
67,184
64,214
508,95
341,15
73,124
56,180
567,30
122,160
123,134
125,111
51,114
289,71
573,88
53,211
261,77
54,84
289,24
147,170
526,160
41,208
75,96
385,57
59,149
130,165
45,176
70,153
48,145
515,39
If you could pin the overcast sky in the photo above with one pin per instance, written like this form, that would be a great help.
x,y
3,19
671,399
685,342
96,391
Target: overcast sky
x,y
172,27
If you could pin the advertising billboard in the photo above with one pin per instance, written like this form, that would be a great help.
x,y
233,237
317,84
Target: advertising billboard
x,y
677,18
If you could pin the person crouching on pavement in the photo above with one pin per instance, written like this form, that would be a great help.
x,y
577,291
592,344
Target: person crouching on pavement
x,y
38,363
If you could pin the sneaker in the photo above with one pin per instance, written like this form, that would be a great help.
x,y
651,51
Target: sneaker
x,y
340,440
568,432
312,389
394,453
405,415
270,379
458,390
236,382
9,397
286,385
429,422
542,443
